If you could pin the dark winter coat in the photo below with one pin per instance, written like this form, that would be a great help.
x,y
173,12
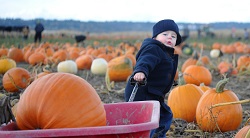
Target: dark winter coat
x,y
159,63
39,28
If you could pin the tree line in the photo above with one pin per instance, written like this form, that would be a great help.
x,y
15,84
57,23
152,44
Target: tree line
x,y
110,26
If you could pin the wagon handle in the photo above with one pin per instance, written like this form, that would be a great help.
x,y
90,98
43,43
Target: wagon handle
x,y
140,83
136,85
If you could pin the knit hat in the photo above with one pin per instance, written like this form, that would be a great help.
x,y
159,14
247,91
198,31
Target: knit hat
x,y
165,25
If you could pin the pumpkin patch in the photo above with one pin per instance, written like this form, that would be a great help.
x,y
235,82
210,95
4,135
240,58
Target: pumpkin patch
x,y
106,66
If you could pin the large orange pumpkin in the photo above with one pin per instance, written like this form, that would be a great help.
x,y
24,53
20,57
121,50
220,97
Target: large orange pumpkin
x,y
60,100
227,118
183,101
15,79
119,68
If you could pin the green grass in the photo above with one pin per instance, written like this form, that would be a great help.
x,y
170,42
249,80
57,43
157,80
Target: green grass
x,y
113,39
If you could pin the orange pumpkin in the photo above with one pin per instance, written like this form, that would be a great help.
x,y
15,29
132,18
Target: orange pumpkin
x,y
196,74
131,57
36,58
190,61
60,100
16,54
243,132
203,87
106,56
119,68
205,60
3,51
227,118
15,79
243,62
41,74
224,67
28,52
183,101
60,55
84,61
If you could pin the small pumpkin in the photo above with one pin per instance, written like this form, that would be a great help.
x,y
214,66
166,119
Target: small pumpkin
x,y
59,55
3,51
16,54
223,118
84,62
119,68
196,74
215,53
243,62
187,50
6,64
67,66
59,100
41,74
36,58
99,66
190,61
15,79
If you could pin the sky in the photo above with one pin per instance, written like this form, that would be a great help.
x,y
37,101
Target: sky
x,y
189,11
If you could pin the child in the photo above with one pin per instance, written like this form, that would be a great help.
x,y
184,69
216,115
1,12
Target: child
x,y
156,62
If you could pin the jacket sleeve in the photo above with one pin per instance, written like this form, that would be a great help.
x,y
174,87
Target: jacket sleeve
x,y
147,59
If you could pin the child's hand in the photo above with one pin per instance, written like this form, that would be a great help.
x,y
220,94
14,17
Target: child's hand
x,y
139,76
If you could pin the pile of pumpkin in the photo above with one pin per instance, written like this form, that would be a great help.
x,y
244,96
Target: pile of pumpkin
x,y
213,109
57,99
71,58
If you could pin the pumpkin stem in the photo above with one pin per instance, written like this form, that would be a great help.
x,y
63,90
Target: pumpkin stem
x,y
202,84
221,84
230,103
195,55
107,81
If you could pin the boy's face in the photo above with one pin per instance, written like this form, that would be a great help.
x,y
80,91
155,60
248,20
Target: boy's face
x,y
168,38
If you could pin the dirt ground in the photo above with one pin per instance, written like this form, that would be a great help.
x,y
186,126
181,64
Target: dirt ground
x,y
238,84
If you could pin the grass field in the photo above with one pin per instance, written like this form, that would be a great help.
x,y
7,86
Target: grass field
x,y
63,36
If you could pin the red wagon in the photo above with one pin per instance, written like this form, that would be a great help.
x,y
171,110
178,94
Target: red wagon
x,y
124,120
